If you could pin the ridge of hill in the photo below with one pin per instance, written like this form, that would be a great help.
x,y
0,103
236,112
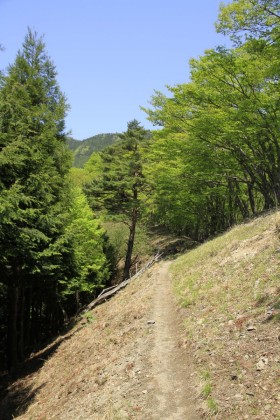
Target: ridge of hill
x,y
82,149
212,354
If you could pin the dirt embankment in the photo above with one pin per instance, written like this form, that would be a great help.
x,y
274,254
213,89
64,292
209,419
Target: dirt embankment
x,y
140,357
124,360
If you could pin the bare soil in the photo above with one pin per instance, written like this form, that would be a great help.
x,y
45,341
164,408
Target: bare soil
x,y
230,290
141,357
125,360
171,393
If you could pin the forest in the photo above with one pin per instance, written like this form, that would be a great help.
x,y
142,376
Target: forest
x,y
214,162
83,149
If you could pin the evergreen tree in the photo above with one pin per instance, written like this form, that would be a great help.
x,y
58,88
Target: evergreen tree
x,y
33,191
119,184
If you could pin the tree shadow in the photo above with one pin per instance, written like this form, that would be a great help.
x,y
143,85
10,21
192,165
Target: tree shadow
x,y
16,390
17,401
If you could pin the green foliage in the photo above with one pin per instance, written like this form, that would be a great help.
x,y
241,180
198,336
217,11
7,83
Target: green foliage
x,y
217,159
250,19
118,183
79,176
33,159
117,174
52,249
179,184
89,317
118,233
85,235
34,192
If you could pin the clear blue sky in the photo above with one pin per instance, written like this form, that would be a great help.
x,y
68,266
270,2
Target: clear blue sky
x,y
112,54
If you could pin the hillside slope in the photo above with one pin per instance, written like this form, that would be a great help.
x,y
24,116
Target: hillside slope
x,y
123,360
139,356
83,149
230,288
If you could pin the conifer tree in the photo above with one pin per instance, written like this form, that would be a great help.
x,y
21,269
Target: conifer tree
x,y
120,183
33,190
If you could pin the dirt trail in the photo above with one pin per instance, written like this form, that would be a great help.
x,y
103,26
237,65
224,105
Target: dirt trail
x,y
128,362
132,358
171,396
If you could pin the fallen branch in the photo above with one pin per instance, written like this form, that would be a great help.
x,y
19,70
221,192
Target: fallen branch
x,y
111,291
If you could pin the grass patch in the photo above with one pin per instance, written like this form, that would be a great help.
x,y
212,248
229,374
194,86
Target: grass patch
x,y
205,375
206,390
240,266
212,405
89,317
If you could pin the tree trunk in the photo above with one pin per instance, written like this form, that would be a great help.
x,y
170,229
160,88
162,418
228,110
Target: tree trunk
x,y
21,307
27,317
250,188
130,243
12,345
77,299
230,202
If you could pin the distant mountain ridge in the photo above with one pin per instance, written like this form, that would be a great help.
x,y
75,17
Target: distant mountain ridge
x,y
83,149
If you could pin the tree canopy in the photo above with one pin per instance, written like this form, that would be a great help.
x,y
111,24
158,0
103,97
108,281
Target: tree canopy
x,y
219,146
